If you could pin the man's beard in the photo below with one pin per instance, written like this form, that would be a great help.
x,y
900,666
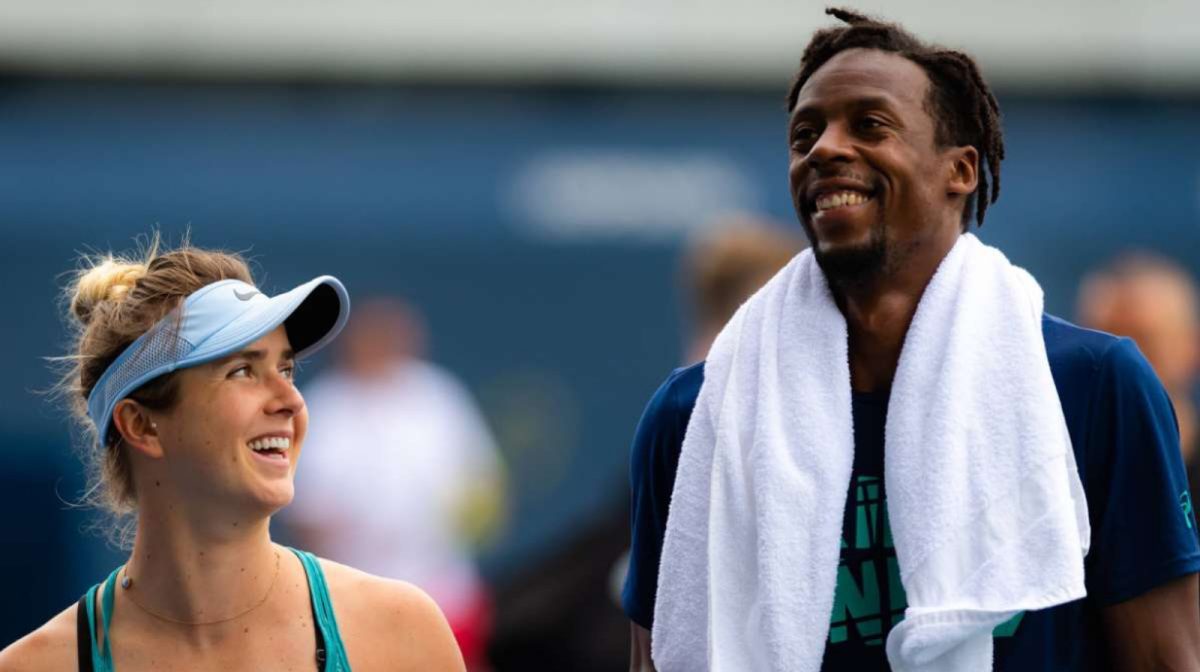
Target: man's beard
x,y
856,266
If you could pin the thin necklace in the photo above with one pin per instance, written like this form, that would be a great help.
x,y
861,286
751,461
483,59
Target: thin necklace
x,y
127,583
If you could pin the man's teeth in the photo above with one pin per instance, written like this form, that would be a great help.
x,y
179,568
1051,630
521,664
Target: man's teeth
x,y
840,198
271,443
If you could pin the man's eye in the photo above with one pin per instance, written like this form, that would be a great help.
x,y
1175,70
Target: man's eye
x,y
870,123
804,135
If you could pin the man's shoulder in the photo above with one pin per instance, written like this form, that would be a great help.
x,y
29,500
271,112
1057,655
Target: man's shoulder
x,y
1070,346
677,394
659,437
1087,361
1071,349
1084,362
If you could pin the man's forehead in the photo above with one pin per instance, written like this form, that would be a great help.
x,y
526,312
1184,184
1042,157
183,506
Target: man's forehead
x,y
865,74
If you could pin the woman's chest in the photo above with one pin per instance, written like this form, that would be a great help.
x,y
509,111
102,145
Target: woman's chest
x,y
277,646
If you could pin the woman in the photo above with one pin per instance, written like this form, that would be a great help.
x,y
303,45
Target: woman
x,y
183,373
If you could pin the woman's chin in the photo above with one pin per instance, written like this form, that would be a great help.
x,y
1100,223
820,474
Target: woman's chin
x,y
271,497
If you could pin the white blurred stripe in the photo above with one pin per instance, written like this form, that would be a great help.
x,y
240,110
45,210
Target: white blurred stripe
x,y
1038,43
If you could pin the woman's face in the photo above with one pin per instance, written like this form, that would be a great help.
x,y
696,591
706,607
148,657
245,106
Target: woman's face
x,y
234,436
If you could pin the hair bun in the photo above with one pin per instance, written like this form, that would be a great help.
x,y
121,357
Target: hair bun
x,y
109,280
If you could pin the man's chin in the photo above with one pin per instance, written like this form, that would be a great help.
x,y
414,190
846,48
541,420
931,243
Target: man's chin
x,y
849,264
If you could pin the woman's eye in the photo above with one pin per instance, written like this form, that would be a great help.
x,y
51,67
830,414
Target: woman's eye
x,y
240,372
289,372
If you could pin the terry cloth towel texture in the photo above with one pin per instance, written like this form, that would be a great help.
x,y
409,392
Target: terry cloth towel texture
x,y
984,498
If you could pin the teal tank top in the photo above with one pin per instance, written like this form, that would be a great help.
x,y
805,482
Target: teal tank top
x,y
97,655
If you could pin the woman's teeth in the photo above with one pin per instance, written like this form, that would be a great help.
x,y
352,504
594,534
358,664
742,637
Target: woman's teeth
x,y
840,198
279,443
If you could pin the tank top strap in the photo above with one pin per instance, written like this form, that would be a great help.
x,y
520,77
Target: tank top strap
x,y
101,651
335,651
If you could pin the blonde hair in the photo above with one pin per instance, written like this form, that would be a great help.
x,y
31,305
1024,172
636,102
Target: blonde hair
x,y
114,299
1156,302
1172,284
737,257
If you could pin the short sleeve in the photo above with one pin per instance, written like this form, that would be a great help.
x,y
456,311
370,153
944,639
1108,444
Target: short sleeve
x,y
1143,527
653,461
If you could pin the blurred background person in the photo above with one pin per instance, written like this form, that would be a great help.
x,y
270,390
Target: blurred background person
x,y
725,265
401,476
1154,301
561,611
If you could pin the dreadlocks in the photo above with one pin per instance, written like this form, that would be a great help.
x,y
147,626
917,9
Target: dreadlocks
x,y
963,108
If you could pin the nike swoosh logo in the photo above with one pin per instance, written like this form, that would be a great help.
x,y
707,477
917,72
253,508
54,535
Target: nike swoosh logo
x,y
245,296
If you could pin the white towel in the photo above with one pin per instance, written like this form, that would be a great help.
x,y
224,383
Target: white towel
x,y
984,498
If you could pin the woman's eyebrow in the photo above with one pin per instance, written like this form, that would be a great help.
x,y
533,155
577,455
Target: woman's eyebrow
x,y
254,355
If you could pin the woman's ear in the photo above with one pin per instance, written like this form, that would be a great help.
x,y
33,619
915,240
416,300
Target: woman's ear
x,y
137,429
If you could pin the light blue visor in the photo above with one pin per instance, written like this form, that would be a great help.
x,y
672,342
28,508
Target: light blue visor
x,y
218,320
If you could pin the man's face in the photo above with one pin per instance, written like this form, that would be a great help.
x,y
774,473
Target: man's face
x,y
867,178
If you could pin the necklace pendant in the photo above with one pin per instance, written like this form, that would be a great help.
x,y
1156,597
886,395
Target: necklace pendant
x,y
126,582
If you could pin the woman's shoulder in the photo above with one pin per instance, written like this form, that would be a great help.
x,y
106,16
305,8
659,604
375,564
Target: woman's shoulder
x,y
50,647
389,621
362,590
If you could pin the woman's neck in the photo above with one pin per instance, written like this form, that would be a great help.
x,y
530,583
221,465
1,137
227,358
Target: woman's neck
x,y
193,573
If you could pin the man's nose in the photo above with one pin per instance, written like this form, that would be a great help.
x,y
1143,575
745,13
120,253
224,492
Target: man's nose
x,y
833,145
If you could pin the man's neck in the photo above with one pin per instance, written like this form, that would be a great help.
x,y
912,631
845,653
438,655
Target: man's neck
x,y
880,309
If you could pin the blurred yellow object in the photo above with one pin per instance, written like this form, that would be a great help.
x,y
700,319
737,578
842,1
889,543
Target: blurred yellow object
x,y
482,511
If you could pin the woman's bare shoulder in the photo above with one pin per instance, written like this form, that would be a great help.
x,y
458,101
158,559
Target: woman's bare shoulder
x,y
389,623
374,593
50,647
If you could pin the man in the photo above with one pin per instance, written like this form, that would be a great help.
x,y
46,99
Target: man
x,y
891,142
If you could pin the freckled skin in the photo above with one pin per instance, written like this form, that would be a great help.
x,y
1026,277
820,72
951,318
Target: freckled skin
x,y
222,406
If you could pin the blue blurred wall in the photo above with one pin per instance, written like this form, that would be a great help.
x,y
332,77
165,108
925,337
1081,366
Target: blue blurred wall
x,y
418,191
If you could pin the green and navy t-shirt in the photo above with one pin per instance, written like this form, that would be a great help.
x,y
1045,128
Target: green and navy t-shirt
x,y
1126,443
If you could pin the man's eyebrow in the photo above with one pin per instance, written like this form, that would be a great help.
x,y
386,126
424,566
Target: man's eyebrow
x,y
871,102
805,111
